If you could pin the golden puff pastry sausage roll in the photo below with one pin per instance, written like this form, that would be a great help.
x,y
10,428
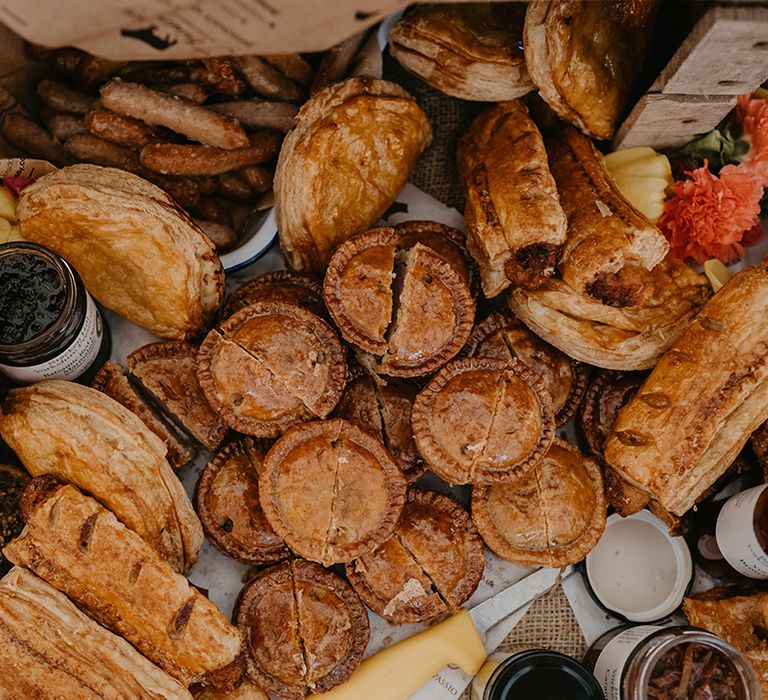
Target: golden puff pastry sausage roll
x,y
81,435
705,397
81,549
47,646
516,227
627,338
610,245
354,145
584,57
138,253
472,51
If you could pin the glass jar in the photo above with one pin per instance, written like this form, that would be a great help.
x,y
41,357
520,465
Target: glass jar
x,y
50,327
635,662
539,674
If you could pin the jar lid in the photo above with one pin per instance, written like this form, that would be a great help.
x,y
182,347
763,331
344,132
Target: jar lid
x,y
637,571
543,675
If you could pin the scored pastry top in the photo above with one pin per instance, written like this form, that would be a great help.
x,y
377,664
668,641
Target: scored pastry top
x,y
483,421
399,299
552,516
269,366
305,629
432,563
502,336
282,285
331,490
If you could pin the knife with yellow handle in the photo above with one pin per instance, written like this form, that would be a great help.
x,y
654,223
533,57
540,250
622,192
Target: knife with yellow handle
x,y
401,669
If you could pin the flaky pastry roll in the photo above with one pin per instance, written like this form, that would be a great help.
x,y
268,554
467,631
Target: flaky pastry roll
x,y
82,436
705,397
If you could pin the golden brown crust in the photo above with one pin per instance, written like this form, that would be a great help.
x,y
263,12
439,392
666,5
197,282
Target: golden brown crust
x,y
563,495
704,398
49,647
471,50
351,151
584,57
432,318
81,435
305,629
433,562
331,491
515,224
112,381
502,336
739,615
270,366
103,221
483,421
281,285
227,501
358,288
628,338
167,371
80,548
610,246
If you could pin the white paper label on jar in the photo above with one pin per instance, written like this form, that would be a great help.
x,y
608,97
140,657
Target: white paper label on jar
x,y
77,357
610,664
735,533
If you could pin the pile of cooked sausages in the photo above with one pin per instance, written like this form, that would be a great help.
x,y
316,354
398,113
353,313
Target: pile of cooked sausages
x,y
207,132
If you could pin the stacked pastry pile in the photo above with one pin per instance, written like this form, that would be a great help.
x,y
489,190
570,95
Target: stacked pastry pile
x,y
325,392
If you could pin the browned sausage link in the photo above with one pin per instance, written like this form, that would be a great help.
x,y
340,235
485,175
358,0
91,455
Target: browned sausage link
x,y
122,130
155,72
62,126
189,91
92,149
219,76
259,114
175,159
292,66
158,108
94,71
62,98
67,60
336,62
221,235
212,209
258,177
266,80
33,139
234,187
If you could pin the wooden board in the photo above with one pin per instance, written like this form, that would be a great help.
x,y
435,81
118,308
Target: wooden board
x,y
726,53
670,121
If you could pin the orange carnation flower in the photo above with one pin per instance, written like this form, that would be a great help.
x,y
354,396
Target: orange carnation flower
x,y
752,114
708,215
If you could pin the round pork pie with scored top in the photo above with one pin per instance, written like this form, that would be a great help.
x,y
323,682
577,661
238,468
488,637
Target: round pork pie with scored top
x,y
483,421
269,366
502,336
304,629
227,501
384,410
431,565
282,285
553,516
406,306
331,490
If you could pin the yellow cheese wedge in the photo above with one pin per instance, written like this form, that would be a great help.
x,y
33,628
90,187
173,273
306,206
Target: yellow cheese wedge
x,y
717,274
399,670
645,193
643,176
7,205
627,155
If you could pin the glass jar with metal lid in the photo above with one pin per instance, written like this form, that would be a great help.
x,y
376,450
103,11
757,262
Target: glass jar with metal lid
x,y
644,661
50,327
